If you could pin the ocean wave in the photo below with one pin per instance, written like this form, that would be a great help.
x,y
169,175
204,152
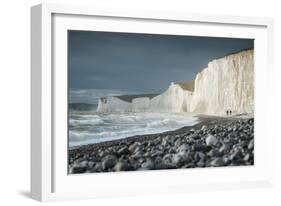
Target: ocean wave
x,y
94,121
87,129
163,123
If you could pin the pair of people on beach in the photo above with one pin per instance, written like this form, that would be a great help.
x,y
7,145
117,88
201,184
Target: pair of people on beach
x,y
228,112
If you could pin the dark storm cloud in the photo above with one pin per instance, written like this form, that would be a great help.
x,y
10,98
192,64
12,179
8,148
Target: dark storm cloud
x,y
141,62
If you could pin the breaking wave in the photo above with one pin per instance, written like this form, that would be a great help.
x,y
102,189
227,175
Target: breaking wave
x,y
91,127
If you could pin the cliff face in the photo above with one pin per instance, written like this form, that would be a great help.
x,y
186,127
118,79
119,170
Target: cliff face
x,y
140,104
226,84
113,104
174,99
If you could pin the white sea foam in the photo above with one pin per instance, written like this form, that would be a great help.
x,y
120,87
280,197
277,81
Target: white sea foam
x,y
94,128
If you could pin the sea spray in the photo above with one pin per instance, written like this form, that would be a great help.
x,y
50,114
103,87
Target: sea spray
x,y
87,128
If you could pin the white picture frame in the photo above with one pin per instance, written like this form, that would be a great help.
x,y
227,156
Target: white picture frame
x,y
49,179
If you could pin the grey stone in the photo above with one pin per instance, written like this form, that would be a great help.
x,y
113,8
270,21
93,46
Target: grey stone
x,y
77,170
177,159
234,154
137,155
147,165
225,160
122,166
192,130
83,163
178,142
123,150
214,153
164,166
93,158
165,142
251,144
216,162
91,164
133,147
204,127
150,144
211,140
224,148
199,147
246,157
98,167
108,162
172,150
157,153
250,121
201,155
194,137
102,154
180,158
167,158
184,148
201,163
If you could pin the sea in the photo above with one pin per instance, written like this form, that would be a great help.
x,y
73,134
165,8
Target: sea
x,y
86,126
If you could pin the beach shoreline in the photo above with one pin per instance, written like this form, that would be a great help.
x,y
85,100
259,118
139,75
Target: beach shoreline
x,y
213,141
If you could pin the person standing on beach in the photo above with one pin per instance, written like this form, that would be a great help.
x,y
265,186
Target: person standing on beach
x,y
230,112
226,112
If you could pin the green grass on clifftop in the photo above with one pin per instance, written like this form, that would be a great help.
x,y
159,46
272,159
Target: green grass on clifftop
x,y
187,85
129,98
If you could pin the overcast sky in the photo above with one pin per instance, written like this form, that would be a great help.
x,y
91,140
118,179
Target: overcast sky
x,y
143,63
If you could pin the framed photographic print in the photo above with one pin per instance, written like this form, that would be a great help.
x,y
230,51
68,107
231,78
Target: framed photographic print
x,y
138,102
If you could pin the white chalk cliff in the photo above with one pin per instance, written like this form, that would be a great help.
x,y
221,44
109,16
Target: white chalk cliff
x,y
113,104
174,99
225,84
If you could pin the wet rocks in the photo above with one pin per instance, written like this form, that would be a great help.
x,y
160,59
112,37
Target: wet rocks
x,y
108,162
224,148
180,158
235,154
246,157
134,146
217,162
178,142
204,128
122,166
211,140
91,164
200,147
77,170
148,165
123,150
184,148
251,144
213,143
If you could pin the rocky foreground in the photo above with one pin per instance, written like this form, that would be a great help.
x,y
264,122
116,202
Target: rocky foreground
x,y
214,142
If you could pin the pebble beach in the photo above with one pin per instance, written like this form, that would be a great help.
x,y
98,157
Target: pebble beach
x,y
213,142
